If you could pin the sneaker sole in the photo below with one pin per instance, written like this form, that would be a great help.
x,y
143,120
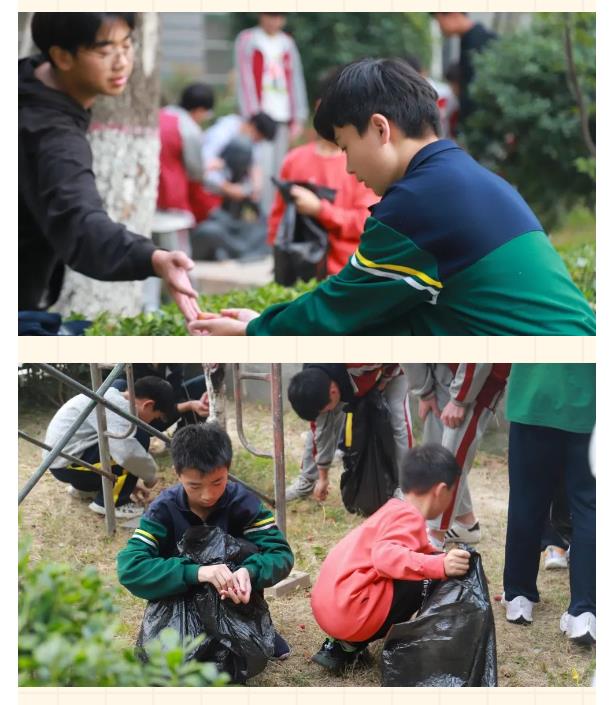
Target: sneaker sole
x,y
555,565
584,640
520,620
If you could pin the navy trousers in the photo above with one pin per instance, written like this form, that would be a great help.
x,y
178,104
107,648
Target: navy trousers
x,y
540,458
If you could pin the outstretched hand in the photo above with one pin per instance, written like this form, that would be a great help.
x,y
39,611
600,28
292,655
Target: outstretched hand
x,y
173,268
230,321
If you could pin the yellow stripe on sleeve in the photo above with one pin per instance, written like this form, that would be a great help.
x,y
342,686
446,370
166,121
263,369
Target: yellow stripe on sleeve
x,y
146,533
269,520
398,268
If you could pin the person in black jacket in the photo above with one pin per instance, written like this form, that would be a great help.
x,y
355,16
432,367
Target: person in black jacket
x,y
473,38
62,220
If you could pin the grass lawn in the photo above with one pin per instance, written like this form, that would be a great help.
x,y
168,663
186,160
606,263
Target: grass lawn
x,y
64,529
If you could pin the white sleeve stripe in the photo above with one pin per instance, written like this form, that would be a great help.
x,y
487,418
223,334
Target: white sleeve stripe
x,y
391,275
150,543
261,528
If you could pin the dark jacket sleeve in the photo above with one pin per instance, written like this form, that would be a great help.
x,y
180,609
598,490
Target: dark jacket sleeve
x,y
274,560
74,219
144,571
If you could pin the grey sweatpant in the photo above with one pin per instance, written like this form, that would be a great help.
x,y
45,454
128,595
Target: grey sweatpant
x,y
319,449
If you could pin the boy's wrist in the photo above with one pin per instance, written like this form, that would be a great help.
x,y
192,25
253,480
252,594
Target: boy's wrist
x,y
191,573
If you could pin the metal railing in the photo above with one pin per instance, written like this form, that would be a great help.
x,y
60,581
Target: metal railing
x,y
274,378
100,403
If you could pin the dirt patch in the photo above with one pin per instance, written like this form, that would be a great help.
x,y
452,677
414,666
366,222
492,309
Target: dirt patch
x,y
64,529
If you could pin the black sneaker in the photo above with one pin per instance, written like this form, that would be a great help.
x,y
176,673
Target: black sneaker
x,y
335,658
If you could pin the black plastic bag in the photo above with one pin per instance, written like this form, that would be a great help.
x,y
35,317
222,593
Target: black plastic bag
x,y
240,638
370,474
300,248
451,642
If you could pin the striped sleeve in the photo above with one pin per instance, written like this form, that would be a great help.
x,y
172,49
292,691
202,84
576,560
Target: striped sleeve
x,y
274,559
143,569
386,275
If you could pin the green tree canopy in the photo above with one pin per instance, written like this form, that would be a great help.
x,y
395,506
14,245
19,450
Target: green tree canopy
x,y
527,124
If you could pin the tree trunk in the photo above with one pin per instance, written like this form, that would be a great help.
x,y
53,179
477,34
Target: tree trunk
x,y
124,138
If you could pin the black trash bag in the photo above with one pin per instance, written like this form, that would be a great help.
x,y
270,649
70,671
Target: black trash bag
x,y
451,642
177,613
240,638
300,248
226,235
370,475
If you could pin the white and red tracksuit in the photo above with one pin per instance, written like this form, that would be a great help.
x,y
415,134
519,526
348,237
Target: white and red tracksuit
x,y
270,79
355,380
476,386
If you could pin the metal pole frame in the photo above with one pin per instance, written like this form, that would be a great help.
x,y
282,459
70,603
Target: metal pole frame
x,y
274,377
60,445
73,458
98,398
110,517
151,430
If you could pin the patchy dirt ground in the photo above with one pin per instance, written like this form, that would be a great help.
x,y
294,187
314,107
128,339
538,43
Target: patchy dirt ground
x,y
64,529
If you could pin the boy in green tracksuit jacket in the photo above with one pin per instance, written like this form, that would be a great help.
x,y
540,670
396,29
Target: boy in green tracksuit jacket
x,y
150,565
451,248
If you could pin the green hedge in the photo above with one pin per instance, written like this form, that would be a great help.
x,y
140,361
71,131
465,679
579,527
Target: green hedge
x,y
68,626
580,260
169,321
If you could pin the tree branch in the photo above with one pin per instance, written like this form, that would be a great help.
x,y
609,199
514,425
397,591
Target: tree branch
x,y
575,87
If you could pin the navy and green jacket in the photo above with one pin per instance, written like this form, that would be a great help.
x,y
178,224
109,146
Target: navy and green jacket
x,y
150,565
451,249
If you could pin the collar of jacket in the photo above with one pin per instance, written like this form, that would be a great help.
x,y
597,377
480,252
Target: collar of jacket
x,y
428,151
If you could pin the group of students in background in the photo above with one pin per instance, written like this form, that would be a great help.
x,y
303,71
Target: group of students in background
x,y
234,162
374,576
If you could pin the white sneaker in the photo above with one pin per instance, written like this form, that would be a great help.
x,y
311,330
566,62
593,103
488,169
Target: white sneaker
x,y
125,511
580,629
298,490
519,610
459,533
554,558
80,494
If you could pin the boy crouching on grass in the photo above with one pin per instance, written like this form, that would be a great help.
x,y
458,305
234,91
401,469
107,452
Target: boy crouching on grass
x,y
150,565
375,576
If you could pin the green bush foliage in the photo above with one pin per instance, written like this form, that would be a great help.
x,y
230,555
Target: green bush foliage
x,y
68,625
328,39
526,126
581,263
169,321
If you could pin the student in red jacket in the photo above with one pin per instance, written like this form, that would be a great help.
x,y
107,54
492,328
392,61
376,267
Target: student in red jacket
x,y
323,163
374,577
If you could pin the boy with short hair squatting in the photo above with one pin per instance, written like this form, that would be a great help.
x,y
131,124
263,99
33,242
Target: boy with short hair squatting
x,y
451,248
150,566
374,577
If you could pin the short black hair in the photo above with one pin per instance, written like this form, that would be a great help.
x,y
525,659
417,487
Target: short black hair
x,y
413,61
159,390
205,447
387,86
265,125
309,392
72,30
197,95
325,79
427,465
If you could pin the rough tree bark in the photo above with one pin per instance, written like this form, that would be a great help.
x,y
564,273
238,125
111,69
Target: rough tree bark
x,y
125,142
